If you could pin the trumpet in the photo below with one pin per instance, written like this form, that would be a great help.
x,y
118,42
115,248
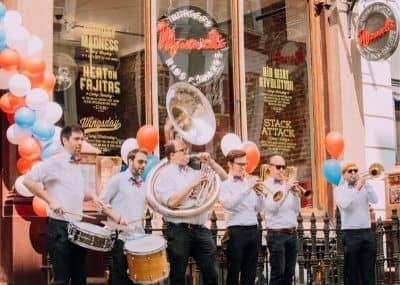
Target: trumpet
x,y
297,189
259,186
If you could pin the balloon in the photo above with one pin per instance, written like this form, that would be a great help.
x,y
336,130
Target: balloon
x,y
229,142
151,162
5,76
24,165
39,207
29,148
10,103
147,137
33,65
48,82
9,59
332,171
15,134
37,99
10,118
19,85
12,18
43,130
50,150
3,44
20,187
35,46
57,136
334,144
3,11
52,113
24,117
253,156
126,147
17,38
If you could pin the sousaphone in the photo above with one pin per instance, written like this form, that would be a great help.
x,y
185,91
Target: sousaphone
x,y
193,119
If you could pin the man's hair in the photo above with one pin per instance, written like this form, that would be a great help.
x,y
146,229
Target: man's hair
x,y
169,149
235,153
67,131
132,153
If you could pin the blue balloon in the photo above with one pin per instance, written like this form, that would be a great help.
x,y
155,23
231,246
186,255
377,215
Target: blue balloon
x,y
2,36
151,162
43,130
3,45
49,150
3,11
332,171
123,167
24,117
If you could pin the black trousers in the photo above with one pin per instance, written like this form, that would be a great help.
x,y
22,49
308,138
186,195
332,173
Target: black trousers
x,y
242,253
119,266
359,248
184,241
67,259
282,249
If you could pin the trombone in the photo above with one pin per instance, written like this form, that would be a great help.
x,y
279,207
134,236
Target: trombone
x,y
374,171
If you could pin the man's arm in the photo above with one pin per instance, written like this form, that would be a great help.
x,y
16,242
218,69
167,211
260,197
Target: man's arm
x,y
177,198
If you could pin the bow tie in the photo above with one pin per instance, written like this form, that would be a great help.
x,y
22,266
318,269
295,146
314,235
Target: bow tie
x,y
278,181
237,178
183,168
137,182
74,159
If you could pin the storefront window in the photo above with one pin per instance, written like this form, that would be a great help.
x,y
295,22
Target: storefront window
x,y
99,65
198,54
276,77
395,59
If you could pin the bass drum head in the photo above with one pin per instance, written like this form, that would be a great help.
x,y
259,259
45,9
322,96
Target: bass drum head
x,y
91,228
146,245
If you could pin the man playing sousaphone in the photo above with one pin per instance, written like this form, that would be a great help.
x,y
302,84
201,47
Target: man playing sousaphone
x,y
281,219
177,186
242,200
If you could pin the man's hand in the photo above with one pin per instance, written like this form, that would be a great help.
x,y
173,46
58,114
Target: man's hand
x,y
199,179
204,157
360,184
56,207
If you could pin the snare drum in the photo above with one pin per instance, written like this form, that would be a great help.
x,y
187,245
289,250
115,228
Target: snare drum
x,y
147,259
90,236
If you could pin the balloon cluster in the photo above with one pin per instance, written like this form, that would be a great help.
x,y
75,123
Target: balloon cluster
x,y
331,169
146,138
231,141
27,87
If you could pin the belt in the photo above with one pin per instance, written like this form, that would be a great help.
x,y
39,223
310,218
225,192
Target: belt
x,y
187,226
249,227
283,231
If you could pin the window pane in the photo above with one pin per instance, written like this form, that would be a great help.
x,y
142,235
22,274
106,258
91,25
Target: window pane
x,y
207,67
99,64
277,94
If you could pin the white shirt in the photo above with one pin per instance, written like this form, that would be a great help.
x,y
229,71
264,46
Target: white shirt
x,y
354,205
171,180
126,198
240,202
281,214
64,182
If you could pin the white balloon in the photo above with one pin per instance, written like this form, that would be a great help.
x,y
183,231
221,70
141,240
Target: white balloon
x,y
15,134
5,76
37,99
57,134
17,38
35,46
52,113
126,147
19,85
12,18
20,187
248,142
229,142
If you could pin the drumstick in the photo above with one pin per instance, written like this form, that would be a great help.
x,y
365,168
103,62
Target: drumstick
x,y
81,215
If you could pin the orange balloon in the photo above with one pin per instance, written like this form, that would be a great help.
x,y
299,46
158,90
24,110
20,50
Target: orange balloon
x,y
39,207
10,118
33,65
9,103
24,165
29,148
48,83
9,59
334,144
252,155
35,78
147,137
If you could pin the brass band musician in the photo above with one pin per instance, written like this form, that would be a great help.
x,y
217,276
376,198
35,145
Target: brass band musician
x,y
353,198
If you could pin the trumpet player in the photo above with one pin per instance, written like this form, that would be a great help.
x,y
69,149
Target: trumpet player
x,y
353,198
281,220
242,198
186,236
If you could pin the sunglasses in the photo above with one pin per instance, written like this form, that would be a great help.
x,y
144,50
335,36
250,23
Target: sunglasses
x,y
142,161
279,167
352,171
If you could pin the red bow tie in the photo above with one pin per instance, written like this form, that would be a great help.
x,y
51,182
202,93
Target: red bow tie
x,y
75,159
237,178
136,182
183,168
